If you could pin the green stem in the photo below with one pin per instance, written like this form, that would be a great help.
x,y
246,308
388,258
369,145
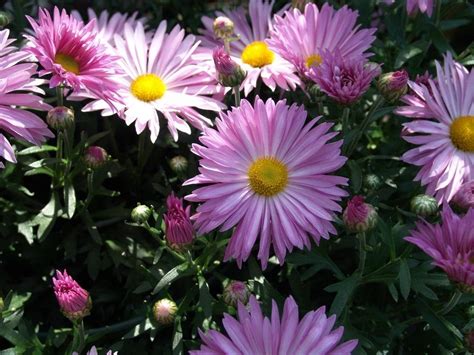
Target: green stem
x,y
111,130
362,253
155,234
448,307
237,96
60,95
345,119
59,158
227,45
78,341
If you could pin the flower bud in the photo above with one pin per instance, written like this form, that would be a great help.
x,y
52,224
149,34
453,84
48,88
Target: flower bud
x,y
223,27
141,213
164,311
236,292
179,228
5,19
2,305
95,156
359,216
372,182
424,205
299,4
464,198
179,164
229,73
74,301
60,117
393,85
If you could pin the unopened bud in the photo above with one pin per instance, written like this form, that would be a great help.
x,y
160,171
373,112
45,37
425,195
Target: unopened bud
x,y
372,182
236,292
179,228
74,301
464,198
60,117
164,311
5,19
393,85
359,216
179,164
95,156
229,73
2,305
424,205
223,27
140,214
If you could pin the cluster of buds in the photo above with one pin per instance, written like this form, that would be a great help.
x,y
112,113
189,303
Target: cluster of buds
x,y
393,85
164,311
74,302
359,216
140,214
463,200
95,156
60,117
236,292
424,205
229,73
179,228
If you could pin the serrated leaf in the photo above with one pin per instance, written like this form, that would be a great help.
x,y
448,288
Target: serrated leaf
x,y
404,278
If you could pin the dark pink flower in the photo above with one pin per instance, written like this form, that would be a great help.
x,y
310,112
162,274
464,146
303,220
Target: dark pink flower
x,y
74,301
358,215
228,71
464,198
179,228
95,156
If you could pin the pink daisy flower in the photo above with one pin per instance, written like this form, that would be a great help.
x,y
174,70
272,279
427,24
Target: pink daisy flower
x,y
301,38
450,244
268,174
74,301
422,5
254,333
443,130
251,50
163,77
74,55
16,90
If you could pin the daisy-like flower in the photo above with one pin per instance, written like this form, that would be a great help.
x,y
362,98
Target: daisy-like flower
x,y
344,80
72,53
302,38
268,173
422,5
254,333
443,130
450,244
17,89
251,50
162,77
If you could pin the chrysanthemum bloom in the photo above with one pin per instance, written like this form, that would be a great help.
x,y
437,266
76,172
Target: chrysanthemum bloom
x,y
301,38
268,174
450,244
95,156
162,77
443,130
179,228
229,73
236,292
344,80
74,56
17,88
393,85
359,216
251,50
74,301
423,5
253,333
164,311
464,198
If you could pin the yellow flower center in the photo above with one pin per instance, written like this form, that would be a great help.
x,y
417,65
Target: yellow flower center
x,y
148,87
268,176
257,54
313,60
462,133
67,62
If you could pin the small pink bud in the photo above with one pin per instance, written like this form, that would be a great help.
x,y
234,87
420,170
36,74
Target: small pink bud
x,y
393,85
164,311
464,198
359,216
223,27
236,292
95,156
179,228
229,73
60,117
74,301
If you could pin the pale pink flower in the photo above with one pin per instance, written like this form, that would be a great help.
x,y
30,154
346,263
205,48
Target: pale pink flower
x,y
179,228
422,5
74,301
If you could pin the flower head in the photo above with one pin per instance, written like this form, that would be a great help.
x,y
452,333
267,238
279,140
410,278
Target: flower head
x,y
229,72
344,80
393,85
450,244
251,50
179,228
464,198
443,130
253,333
74,56
236,292
74,301
60,117
359,216
164,311
269,174
18,89
95,156
423,5
301,38
223,27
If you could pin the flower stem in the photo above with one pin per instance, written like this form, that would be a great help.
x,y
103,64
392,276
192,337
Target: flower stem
x,y
345,119
448,307
362,253
60,95
78,340
237,96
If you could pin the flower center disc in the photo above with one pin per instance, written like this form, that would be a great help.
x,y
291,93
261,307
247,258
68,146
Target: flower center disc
x,y
462,133
257,54
148,87
313,61
268,176
67,62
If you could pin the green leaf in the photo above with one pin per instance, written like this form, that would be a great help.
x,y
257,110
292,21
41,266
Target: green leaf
x,y
205,298
356,175
34,150
139,329
69,199
404,278
393,291
171,276
407,53
177,337
344,290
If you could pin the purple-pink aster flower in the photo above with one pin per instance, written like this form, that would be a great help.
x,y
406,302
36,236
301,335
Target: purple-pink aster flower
x,y
450,244
254,333
443,130
74,301
423,5
74,55
17,89
344,79
179,228
269,174
301,38
464,198
251,50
